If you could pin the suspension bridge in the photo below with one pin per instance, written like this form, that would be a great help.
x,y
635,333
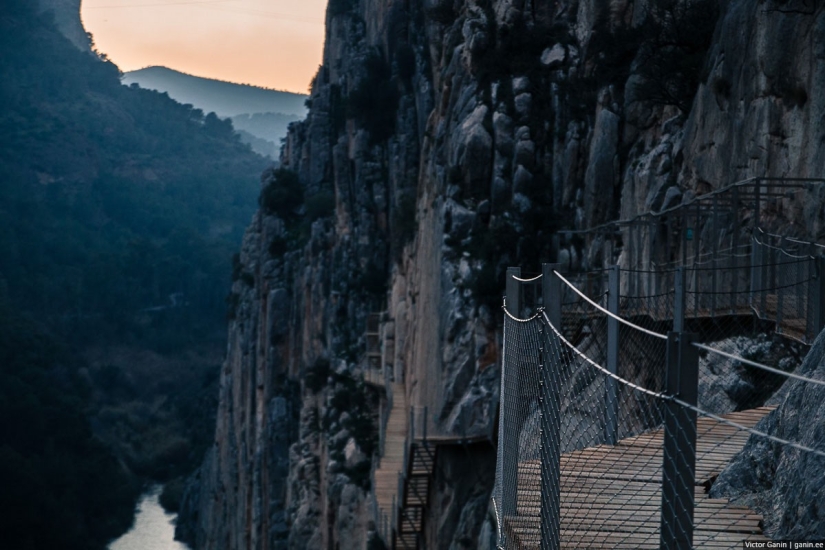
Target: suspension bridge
x,y
628,388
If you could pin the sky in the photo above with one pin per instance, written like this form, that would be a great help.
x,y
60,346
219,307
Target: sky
x,y
272,43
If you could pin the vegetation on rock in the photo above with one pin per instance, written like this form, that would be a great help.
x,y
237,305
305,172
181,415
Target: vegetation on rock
x,y
62,488
374,102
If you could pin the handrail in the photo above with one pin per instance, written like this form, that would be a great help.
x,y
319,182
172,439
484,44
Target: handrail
x,y
793,183
783,288
759,365
597,366
608,313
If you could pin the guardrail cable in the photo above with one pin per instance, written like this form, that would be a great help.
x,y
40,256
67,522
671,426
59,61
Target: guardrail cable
x,y
608,313
759,365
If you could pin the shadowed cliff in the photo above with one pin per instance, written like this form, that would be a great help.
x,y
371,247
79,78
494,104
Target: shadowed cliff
x,y
444,142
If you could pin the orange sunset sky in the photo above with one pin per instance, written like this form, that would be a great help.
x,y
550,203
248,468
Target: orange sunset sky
x,y
271,43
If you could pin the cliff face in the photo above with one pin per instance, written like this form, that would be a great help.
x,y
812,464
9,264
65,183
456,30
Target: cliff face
x,y
445,141
785,484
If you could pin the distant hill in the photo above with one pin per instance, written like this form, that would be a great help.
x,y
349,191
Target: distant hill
x,y
224,98
266,128
261,146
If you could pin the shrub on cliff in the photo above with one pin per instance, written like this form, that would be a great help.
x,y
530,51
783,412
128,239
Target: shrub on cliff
x,y
320,205
374,102
282,195
661,60
442,12
403,224
315,376
677,36
405,61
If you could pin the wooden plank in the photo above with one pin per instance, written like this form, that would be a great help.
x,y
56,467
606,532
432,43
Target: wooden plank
x,y
614,492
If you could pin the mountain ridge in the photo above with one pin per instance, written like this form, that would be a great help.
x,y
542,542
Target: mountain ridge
x,y
225,98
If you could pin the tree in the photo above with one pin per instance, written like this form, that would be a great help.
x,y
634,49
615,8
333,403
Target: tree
x,y
677,35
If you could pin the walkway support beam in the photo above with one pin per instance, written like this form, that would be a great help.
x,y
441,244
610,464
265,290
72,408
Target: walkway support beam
x,y
816,298
757,284
550,404
679,453
679,299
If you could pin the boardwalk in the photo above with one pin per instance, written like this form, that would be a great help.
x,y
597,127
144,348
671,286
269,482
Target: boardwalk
x,y
611,495
405,474
646,338
392,462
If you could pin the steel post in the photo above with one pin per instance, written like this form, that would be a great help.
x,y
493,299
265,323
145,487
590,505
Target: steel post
x,y
734,251
510,392
715,251
679,452
816,302
424,426
756,274
679,300
611,397
412,424
550,403
780,284
697,258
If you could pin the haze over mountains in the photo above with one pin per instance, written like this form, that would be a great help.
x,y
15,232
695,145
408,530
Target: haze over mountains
x,y
261,116
226,99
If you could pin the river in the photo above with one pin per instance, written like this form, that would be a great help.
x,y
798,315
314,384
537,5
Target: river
x,y
154,529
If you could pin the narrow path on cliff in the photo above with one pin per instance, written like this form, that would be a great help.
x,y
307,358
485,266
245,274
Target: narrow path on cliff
x,y
392,463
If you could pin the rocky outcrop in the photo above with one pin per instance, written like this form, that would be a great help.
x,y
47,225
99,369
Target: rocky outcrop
x,y
445,141
754,115
727,385
785,484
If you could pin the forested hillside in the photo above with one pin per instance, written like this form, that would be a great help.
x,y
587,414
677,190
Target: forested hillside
x,y
61,488
120,211
117,201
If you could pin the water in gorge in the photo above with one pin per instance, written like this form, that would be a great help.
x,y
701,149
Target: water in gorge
x,y
154,528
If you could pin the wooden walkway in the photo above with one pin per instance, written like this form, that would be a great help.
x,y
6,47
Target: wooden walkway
x,y
386,475
611,495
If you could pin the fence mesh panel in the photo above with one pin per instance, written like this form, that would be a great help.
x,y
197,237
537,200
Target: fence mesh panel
x,y
605,489
585,459
609,454
616,424
518,432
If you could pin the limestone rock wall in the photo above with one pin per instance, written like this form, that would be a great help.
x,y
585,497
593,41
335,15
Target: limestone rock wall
x,y
785,484
452,138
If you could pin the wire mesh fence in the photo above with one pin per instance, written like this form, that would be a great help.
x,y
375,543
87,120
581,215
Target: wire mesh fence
x,y
518,433
614,426
638,385
565,426
787,287
602,461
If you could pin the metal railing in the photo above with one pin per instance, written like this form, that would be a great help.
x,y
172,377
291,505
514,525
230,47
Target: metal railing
x,y
591,371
